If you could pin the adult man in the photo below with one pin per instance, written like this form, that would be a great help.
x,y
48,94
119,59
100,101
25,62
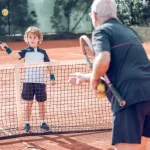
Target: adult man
x,y
120,54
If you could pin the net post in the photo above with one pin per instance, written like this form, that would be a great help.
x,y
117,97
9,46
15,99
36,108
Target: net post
x,y
18,97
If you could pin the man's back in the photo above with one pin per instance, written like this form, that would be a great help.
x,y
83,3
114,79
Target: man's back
x,y
129,69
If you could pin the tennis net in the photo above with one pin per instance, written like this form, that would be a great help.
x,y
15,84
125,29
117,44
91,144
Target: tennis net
x,y
68,108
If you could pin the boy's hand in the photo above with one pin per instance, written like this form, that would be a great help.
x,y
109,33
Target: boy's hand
x,y
3,45
52,79
53,83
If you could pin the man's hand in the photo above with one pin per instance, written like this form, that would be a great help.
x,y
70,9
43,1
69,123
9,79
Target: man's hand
x,y
94,84
78,78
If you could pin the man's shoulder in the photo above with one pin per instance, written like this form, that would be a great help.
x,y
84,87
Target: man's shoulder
x,y
101,31
109,24
104,28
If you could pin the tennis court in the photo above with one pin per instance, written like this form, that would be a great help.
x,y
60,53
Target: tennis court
x,y
90,113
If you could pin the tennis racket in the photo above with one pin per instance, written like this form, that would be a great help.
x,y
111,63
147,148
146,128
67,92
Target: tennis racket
x,y
88,52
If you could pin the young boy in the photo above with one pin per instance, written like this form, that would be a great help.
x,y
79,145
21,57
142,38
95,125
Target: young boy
x,y
34,76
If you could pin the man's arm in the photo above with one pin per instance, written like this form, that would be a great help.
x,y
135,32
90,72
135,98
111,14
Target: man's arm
x,y
100,67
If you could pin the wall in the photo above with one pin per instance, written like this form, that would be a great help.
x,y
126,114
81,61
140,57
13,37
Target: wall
x,y
44,10
143,33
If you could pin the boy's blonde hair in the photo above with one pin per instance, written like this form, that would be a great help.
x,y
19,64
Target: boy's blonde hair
x,y
35,31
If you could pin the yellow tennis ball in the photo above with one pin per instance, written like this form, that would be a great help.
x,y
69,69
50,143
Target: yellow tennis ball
x,y
100,95
5,12
101,87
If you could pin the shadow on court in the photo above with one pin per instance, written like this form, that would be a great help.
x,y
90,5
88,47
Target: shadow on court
x,y
82,141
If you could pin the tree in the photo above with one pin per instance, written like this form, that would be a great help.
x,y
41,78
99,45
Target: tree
x,y
3,20
19,17
130,12
63,12
134,12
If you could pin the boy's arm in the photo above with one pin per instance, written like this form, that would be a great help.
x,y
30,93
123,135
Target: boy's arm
x,y
9,51
15,55
49,68
52,76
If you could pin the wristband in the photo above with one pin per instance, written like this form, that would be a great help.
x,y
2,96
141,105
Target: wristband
x,y
8,50
52,77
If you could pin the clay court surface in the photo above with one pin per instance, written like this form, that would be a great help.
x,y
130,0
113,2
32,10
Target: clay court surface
x,y
58,50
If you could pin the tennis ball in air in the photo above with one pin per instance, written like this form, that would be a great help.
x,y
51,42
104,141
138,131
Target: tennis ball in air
x,y
101,87
5,12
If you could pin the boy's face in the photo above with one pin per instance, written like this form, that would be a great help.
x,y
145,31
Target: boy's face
x,y
33,40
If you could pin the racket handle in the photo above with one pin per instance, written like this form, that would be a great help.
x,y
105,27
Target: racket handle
x,y
117,95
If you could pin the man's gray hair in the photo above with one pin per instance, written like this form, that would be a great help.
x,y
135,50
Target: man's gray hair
x,y
105,8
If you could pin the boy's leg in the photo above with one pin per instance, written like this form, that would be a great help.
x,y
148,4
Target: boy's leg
x,y
130,127
28,96
43,125
41,97
42,110
28,110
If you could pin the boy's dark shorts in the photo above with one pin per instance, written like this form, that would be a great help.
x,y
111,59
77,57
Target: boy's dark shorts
x,y
34,89
131,123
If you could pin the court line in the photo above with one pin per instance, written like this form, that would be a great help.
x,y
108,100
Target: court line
x,y
28,145
4,56
76,54
3,130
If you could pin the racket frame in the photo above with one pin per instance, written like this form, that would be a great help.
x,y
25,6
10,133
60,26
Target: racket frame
x,y
119,99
